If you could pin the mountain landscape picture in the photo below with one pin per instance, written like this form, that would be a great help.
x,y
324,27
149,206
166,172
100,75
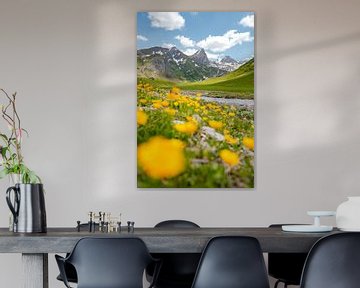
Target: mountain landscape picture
x,y
195,100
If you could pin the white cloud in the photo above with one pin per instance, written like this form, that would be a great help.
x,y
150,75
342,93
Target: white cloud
x,y
141,38
224,42
167,45
166,20
185,41
247,21
189,51
213,56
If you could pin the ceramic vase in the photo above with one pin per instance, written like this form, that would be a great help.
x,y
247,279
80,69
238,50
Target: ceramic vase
x,y
348,214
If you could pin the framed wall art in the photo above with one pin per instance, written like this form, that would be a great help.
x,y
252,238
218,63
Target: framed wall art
x,y
195,99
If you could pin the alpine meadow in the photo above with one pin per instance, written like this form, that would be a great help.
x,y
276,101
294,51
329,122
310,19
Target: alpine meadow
x,y
195,100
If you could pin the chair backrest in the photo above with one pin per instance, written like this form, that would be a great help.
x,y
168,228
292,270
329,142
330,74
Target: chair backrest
x,y
286,267
232,262
333,262
110,262
176,224
178,269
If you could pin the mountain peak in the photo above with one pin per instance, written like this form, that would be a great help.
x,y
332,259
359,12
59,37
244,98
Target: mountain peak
x,y
228,60
200,57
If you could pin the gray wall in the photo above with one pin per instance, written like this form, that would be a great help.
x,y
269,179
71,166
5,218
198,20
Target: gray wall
x,y
73,66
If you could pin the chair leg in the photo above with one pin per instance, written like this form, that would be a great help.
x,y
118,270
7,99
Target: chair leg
x,y
278,282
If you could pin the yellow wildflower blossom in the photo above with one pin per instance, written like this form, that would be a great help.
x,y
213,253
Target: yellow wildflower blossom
x,y
157,105
175,90
142,117
161,158
190,118
165,103
172,96
249,142
232,114
229,157
189,127
142,101
230,140
216,124
170,111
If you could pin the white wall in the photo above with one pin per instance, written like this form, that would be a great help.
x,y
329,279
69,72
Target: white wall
x,y
73,66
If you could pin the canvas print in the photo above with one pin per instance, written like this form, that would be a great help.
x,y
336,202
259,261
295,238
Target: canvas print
x,y
195,100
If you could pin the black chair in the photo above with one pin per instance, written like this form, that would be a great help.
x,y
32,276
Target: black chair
x,y
333,262
69,269
108,263
178,269
286,267
232,262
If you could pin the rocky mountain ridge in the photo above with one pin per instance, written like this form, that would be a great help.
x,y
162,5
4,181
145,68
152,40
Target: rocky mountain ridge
x,y
171,63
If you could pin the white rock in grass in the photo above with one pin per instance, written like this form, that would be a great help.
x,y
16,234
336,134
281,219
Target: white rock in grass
x,y
178,122
208,131
197,118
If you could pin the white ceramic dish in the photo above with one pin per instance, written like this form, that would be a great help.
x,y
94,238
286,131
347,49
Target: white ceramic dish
x,y
350,229
306,228
321,213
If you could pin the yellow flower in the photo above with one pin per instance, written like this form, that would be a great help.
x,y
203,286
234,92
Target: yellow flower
x,y
229,157
230,139
157,105
172,96
161,158
175,90
190,118
189,127
249,142
170,111
176,103
142,101
216,124
165,103
142,117
232,114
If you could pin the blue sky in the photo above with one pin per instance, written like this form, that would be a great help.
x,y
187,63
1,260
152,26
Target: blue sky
x,y
219,33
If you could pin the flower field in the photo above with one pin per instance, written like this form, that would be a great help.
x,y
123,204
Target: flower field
x,y
186,142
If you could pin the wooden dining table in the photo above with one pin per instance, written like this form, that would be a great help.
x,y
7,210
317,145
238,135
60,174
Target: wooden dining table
x,y
35,247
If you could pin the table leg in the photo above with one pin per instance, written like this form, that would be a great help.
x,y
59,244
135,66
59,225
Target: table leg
x,y
35,270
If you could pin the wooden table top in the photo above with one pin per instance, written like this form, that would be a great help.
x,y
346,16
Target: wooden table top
x,y
158,240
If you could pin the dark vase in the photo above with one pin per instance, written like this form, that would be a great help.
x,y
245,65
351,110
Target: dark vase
x,y
27,204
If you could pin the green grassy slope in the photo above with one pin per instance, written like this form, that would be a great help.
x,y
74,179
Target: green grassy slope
x,y
157,83
245,69
240,81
